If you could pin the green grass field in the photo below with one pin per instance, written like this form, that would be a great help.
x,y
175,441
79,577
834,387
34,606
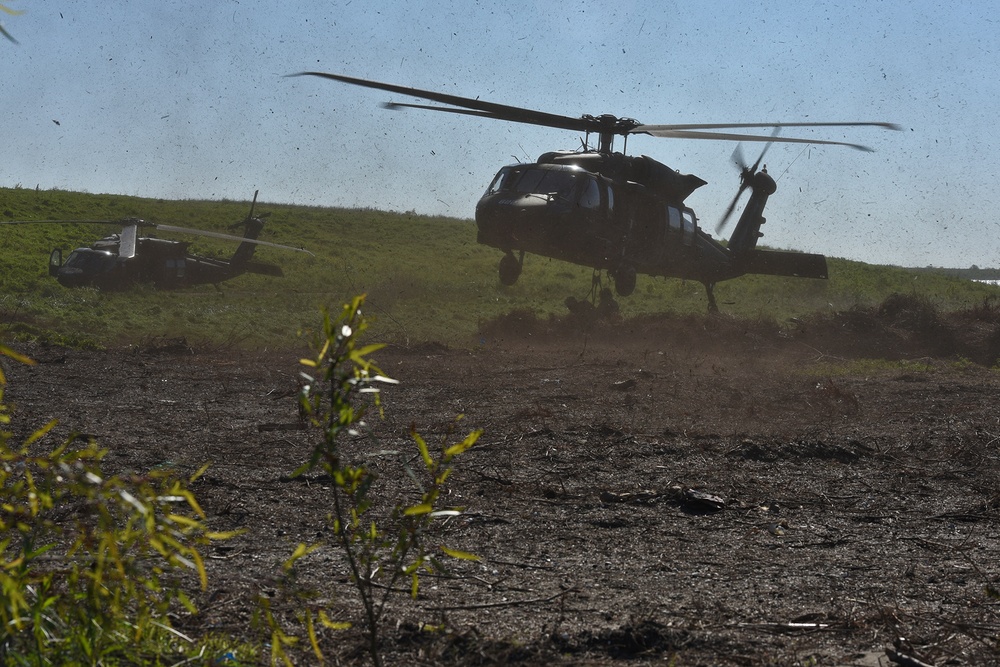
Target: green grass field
x,y
426,278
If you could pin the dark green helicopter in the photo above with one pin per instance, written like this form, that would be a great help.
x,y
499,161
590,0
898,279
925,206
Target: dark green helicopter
x,y
617,213
121,260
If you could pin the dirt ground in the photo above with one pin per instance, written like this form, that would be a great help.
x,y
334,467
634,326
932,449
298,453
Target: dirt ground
x,y
705,490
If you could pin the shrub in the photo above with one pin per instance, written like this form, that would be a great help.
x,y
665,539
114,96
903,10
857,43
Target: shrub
x,y
380,552
87,560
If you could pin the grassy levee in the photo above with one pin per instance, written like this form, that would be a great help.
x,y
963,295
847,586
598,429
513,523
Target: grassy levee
x,y
426,278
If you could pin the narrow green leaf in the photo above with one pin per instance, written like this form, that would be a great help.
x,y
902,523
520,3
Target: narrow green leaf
x,y
199,473
40,433
333,625
461,555
313,641
422,446
4,350
417,510
299,552
225,535
186,601
366,350
463,446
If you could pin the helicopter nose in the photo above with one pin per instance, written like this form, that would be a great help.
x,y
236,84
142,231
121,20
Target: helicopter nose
x,y
531,204
70,277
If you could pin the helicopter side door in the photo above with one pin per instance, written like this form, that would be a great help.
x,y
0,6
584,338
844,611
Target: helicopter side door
x,y
658,231
55,262
659,234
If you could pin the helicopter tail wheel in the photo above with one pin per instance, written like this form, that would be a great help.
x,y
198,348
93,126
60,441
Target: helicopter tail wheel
x,y
624,277
510,268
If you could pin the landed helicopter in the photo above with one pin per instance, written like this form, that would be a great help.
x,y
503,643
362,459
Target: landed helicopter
x,y
616,213
121,260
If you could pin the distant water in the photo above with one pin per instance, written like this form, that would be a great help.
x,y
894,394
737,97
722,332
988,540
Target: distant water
x,y
988,282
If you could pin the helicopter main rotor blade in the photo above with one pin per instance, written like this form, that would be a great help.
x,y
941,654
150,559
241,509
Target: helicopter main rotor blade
x,y
226,237
60,222
736,126
604,125
127,241
491,109
392,106
132,223
727,136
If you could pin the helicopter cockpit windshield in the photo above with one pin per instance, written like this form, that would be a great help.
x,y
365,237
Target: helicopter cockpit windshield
x,y
567,183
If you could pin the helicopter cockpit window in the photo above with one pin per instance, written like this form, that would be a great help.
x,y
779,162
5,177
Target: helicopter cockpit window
x,y
500,181
90,261
546,181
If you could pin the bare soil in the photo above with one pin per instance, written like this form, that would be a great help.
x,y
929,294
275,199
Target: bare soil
x,y
704,490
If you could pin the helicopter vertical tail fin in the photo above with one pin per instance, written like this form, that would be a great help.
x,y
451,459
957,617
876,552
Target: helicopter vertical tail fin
x,y
244,252
747,232
252,226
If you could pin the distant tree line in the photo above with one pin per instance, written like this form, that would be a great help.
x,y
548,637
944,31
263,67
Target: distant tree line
x,y
971,273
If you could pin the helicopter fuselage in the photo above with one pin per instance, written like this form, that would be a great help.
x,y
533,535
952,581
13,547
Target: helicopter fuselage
x,y
118,261
163,263
625,215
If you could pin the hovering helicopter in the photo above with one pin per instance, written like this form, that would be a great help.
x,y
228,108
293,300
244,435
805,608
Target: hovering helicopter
x,y
616,213
124,259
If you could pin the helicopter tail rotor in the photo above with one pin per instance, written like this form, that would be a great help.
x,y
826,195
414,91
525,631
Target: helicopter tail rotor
x,y
251,221
746,179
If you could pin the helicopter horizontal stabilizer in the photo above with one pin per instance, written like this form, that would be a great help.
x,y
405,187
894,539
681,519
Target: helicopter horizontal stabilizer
x,y
784,263
264,269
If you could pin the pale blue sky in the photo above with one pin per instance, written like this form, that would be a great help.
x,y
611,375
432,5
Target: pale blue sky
x,y
188,100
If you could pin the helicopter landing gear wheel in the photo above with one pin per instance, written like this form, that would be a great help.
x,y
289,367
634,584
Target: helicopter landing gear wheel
x,y
510,268
624,277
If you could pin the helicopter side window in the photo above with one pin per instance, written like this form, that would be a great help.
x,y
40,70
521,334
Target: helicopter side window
x,y
591,195
675,219
176,267
690,226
